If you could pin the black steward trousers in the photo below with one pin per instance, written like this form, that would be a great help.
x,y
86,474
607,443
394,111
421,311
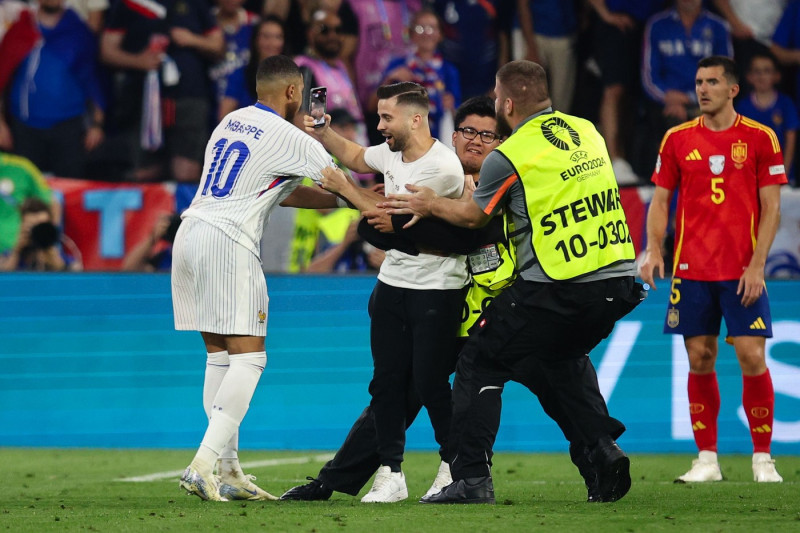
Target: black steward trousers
x,y
540,335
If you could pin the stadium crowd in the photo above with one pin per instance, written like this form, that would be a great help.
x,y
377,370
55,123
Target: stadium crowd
x,y
129,90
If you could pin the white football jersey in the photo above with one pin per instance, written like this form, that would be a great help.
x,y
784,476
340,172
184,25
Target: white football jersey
x,y
440,170
254,160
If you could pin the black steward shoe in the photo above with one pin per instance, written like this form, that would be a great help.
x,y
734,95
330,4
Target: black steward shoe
x,y
313,491
613,470
580,458
469,490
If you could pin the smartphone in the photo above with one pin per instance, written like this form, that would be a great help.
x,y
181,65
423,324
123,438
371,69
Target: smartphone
x,y
316,105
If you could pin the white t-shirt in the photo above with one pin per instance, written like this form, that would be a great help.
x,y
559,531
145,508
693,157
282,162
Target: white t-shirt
x,y
440,170
254,160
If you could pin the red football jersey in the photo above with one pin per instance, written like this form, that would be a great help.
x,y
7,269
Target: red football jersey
x,y
718,175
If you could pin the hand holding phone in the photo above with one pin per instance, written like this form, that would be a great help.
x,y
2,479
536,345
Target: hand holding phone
x,y
317,102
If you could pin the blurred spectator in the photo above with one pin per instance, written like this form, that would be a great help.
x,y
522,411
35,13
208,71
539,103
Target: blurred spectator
x,y
382,35
10,11
154,252
41,245
550,30
770,107
786,42
752,24
237,27
19,181
55,98
675,40
424,65
328,70
616,49
472,40
92,12
240,90
298,14
163,93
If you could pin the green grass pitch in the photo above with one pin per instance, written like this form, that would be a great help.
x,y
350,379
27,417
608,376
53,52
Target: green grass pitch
x,y
80,490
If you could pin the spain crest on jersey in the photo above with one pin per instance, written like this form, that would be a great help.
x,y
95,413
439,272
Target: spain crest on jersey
x,y
673,318
739,152
717,164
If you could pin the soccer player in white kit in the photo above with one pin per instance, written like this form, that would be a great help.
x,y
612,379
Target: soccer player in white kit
x,y
255,160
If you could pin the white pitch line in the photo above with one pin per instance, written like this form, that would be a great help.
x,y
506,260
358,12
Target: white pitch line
x,y
252,464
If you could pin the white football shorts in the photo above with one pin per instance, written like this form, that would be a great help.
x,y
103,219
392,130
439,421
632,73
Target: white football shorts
x,y
217,284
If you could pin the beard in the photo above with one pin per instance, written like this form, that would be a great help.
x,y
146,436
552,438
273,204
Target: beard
x,y
291,111
470,168
329,50
52,9
503,127
399,143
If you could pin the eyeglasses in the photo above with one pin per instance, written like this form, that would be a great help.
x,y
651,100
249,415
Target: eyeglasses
x,y
419,29
488,137
324,29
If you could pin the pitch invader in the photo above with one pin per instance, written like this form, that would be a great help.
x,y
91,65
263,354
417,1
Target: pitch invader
x,y
728,170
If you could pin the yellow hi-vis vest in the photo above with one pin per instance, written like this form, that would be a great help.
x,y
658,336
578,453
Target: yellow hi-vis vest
x,y
572,197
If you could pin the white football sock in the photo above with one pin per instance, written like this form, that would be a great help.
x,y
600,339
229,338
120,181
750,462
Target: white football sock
x,y
216,366
230,405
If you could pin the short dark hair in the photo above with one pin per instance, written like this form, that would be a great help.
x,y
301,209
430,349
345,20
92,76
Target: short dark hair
x,y
407,93
727,64
763,54
483,106
279,67
525,82
34,205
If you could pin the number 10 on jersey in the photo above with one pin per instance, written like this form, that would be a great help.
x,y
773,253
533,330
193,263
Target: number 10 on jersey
x,y
221,175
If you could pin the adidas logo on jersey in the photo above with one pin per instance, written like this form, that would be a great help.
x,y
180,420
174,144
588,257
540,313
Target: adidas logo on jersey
x,y
694,155
758,324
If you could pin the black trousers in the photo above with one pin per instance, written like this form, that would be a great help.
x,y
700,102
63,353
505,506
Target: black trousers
x,y
412,335
540,335
357,459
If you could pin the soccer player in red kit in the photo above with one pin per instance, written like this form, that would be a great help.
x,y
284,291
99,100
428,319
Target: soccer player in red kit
x,y
728,170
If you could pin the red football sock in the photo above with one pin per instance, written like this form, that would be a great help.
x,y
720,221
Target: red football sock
x,y
758,399
704,409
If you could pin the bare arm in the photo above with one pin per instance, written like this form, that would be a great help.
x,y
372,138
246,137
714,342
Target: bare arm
x,y
137,258
739,29
788,152
620,20
112,54
657,218
335,181
349,153
787,56
211,45
526,25
310,198
751,284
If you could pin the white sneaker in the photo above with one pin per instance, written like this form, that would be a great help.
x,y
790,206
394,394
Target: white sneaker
x,y
206,487
704,468
443,478
764,469
234,485
624,172
388,487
